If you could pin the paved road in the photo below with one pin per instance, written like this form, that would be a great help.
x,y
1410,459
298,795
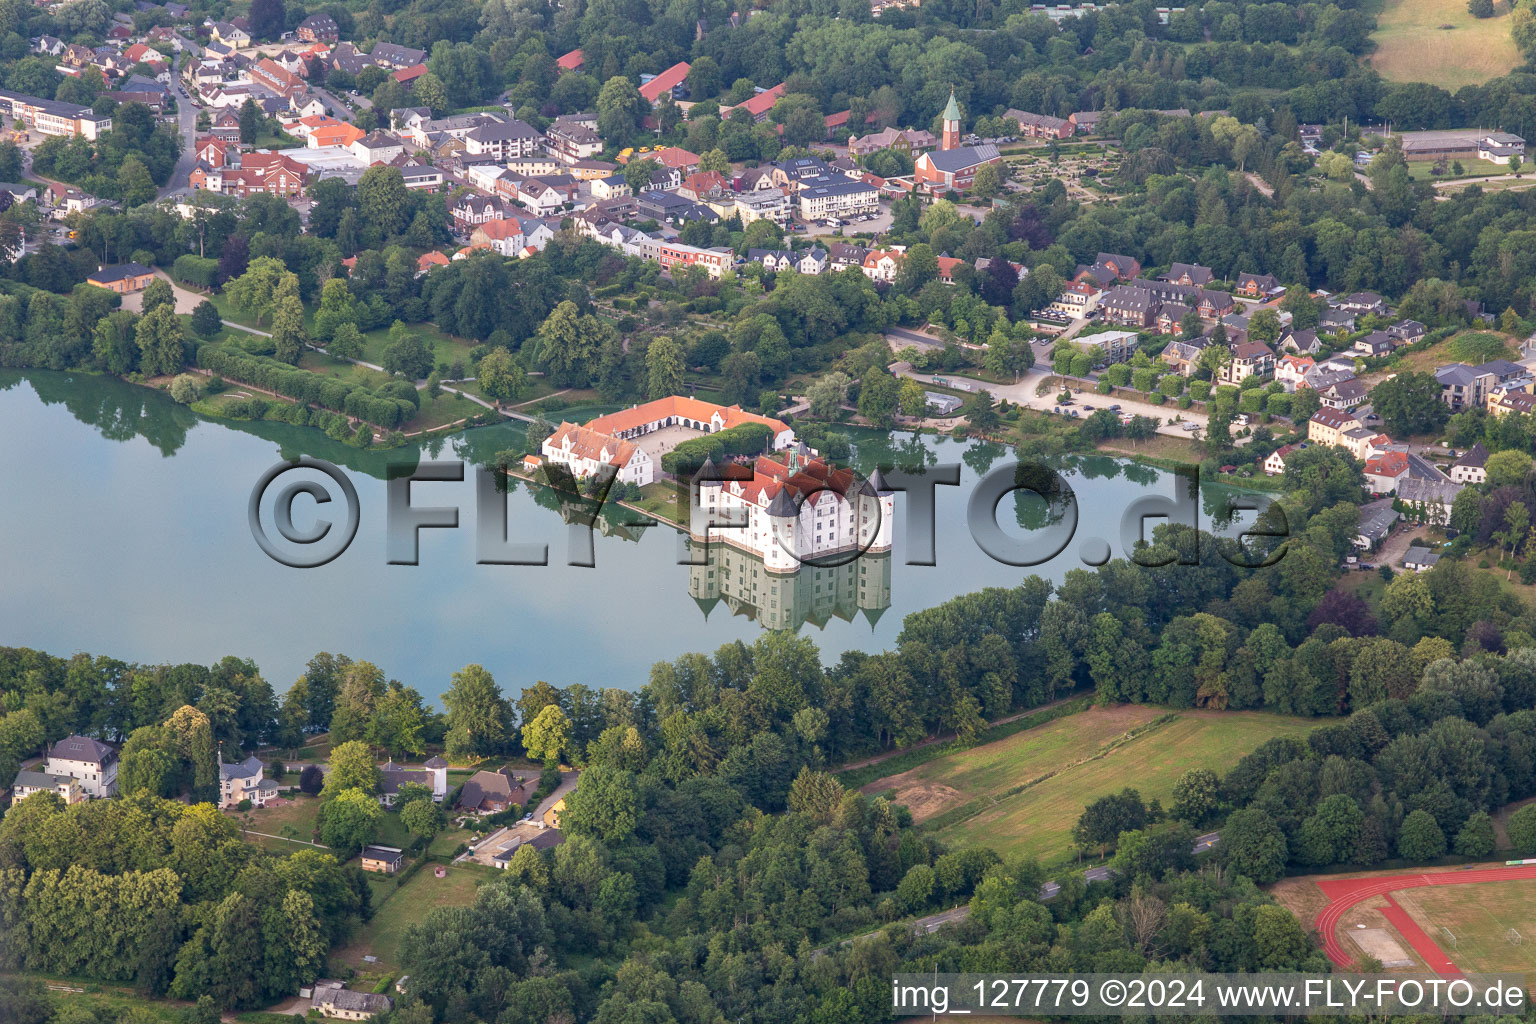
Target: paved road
x,y
335,104
186,124
1023,393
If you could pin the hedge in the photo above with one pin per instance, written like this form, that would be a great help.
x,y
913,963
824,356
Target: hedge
x,y
689,455
310,388
195,270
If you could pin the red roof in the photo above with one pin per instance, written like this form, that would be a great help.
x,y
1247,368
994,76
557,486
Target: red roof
x,y
431,259
947,265
1392,464
664,82
763,101
409,74
570,61
674,157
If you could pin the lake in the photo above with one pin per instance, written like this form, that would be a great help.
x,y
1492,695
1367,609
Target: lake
x,y
124,526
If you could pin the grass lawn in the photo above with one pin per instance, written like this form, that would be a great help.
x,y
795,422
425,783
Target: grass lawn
x,y
1423,170
1158,446
407,905
445,348
1466,347
1023,794
110,1002
1480,916
442,410
1411,46
293,819
319,362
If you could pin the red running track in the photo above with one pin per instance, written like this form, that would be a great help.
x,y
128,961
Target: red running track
x,y
1344,893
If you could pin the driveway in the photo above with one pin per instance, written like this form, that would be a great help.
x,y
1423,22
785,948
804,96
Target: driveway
x,y
186,301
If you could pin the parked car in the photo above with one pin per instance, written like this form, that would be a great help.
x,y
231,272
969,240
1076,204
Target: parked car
x,y
1191,426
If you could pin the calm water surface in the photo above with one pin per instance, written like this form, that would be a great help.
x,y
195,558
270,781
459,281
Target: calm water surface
x,y
123,531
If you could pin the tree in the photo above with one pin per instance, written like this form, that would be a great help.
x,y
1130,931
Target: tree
x,y
1194,795
878,395
346,343
407,354
268,18
1521,829
288,334
1507,468
1420,837
548,735
186,388
981,413
206,320
827,394
1264,326
257,289
1480,8
1254,845
714,159
605,805
499,377
639,173
349,821
1409,403
423,817
384,204
250,122
1008,356
619,109
352,767
311,779
988,181
664,368
156,294
477,714
161,343
1476,838
918,267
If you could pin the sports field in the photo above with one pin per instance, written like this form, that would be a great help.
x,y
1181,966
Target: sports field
x,y
1023,794
1493,923
1414,44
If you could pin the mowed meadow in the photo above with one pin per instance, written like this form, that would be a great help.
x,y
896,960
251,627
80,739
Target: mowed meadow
x,y
1439,42
1023,794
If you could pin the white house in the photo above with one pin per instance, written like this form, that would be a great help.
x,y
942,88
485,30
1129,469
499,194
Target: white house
x,y
243,780
585,452
90,762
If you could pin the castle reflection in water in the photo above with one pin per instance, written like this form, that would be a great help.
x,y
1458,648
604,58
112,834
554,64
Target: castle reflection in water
x,y
738,580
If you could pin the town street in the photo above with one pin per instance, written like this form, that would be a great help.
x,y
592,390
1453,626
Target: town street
x,y
186,124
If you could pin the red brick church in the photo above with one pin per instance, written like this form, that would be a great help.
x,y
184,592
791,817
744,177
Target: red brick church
x,y
953,166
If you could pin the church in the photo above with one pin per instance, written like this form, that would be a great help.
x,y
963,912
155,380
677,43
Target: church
x,y
952,166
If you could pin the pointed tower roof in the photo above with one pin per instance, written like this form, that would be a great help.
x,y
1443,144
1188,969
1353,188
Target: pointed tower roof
x,y
708,474
952,109
706,604
877,480
782,505
873,615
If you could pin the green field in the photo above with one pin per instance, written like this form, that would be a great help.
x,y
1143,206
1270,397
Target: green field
x,y
1024,793
407,905
1414,44
1480,916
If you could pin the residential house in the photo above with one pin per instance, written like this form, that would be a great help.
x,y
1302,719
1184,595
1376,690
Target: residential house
x,y
272,76
1249,359
1077,300
90,762
1113,346
911,141
571,142
1419,558
331,132
1189,274
1343,394
1376,521
490,792
1428,500
813,261
701,185
1291,370
1363,442
392,57
1040,126
1275,464
318,28
503,140
407,76
570,61
385,860
1336,321
1125,268
768,204
28,782
433,775
1301,342
1407,331
429,260
334,999
615,186
1361,302
122,277
377,148
1258,286
835,197
1327,426
1472,467
882,265
1183,357
244,780
1374,345
1084,122
1129,306
229,34
1501,403
514,236
1463,386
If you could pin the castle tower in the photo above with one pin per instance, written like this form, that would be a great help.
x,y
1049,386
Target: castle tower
x,y
951,138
